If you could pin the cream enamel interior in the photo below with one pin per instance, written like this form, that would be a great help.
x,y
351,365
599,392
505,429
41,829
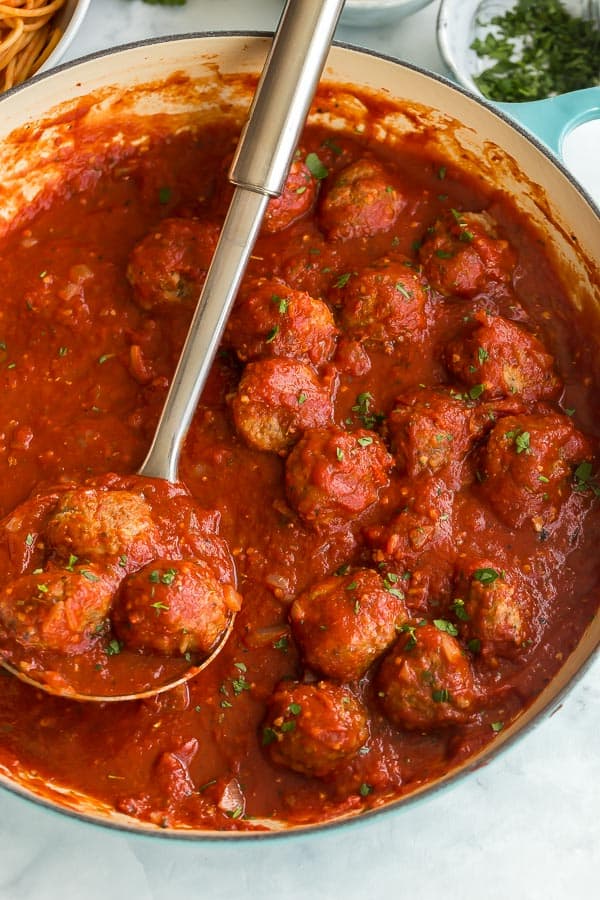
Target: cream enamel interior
x,y
187,77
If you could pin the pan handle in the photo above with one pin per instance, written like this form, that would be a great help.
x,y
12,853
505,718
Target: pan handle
x,y
551,120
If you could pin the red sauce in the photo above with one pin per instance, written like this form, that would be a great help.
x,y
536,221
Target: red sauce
x,y
484,538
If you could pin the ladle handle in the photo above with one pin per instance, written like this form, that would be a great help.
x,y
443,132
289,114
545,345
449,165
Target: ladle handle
x,y
284,94
275,121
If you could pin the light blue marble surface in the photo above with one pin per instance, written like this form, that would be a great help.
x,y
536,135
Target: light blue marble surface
x,y
525,827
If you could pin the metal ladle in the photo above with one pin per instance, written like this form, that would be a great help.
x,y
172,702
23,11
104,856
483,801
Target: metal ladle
x,y
258,172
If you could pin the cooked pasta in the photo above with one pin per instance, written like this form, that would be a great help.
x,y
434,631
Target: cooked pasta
x,y
27,37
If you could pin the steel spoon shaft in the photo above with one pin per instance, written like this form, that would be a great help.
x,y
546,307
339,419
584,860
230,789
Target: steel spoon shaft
x,y
259,169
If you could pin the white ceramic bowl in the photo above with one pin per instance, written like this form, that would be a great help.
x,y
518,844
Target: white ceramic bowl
x,y
368,13
461,21
69,20
378,12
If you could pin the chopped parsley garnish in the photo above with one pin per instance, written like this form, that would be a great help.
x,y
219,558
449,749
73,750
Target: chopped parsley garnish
x,y
444,625
343,280
339,454
365,441
167,577
268,736
206,785
295,709
482,355
497,726
239,685
389,583
522,442
476,391
164,193
282,644
538,50
272,334
235,813
281,302
411,630
365,789
159,606
89,576
486,576
331,145
441,695
403,290
584,479
363,410
458,608
474,645
316,168
114,647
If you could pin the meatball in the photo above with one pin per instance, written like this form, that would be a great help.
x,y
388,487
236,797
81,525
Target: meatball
x,y
462,254
169,265
432,430
424,522
333,475
495,608
312,728
103,525
22,545
362,201
278,399
429,430
64,610
344,623
173,607
528,465
309,264
297,198
503,359
426,681
419,541
383,303
272,319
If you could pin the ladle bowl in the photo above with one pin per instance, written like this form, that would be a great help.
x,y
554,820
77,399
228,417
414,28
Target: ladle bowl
x,y
258,172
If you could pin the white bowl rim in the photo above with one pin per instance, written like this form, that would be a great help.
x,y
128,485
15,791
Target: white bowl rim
x,y
66,39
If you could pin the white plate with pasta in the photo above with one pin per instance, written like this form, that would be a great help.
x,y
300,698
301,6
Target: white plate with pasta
x,y
34,34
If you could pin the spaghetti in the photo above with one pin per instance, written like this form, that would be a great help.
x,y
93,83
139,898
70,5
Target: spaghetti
x,y
28,36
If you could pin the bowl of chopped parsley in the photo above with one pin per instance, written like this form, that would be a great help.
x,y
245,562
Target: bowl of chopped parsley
x,y
521,50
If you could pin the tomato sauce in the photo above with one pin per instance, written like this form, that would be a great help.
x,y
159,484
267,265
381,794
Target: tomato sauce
x,y
86,354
